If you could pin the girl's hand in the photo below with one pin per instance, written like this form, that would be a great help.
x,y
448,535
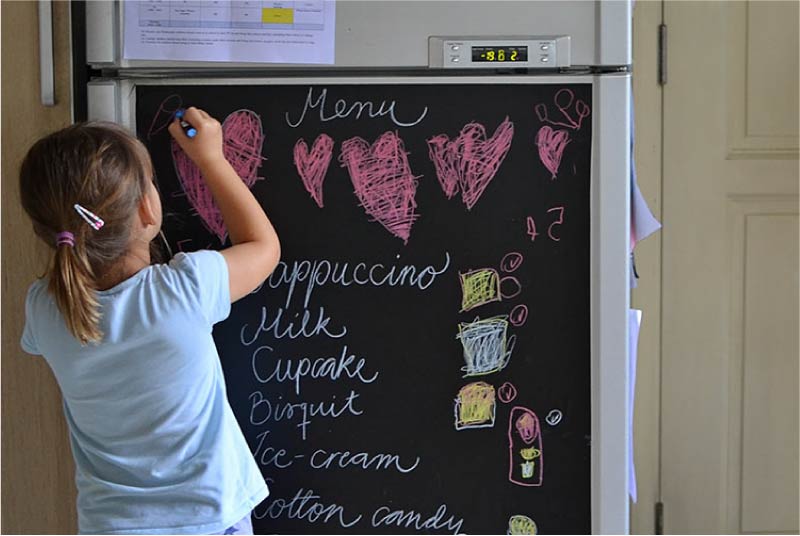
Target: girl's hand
x,y
205,148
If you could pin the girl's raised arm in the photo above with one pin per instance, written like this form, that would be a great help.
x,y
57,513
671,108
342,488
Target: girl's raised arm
x,y
256,249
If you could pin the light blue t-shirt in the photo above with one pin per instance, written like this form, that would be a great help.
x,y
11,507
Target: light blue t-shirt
x,y
157,448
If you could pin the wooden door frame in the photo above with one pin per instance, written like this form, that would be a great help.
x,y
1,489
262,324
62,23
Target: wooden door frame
x,y
37,468
648,152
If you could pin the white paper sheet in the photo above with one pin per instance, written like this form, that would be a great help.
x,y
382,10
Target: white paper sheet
x,y
634,322
643,223
230,30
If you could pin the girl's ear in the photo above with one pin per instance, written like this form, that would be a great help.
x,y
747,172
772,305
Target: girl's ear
x,y
149,213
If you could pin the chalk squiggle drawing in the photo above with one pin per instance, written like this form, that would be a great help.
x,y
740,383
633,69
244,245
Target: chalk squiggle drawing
x,y
563,101
551,145
518,315
470,161
383,181
487,348
519,524
313,166
511,261
526,457
475,406
507,392
164,115
242,143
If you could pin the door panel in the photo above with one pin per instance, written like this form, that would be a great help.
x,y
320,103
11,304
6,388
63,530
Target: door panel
x,y
729,434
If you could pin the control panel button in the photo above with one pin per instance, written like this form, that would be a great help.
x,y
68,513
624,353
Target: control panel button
x,y
455,48
544,59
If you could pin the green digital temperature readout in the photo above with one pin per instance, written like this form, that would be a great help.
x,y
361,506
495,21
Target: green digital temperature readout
x,y
500,54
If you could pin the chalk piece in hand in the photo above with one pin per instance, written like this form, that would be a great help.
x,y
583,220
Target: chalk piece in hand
x,y
187,128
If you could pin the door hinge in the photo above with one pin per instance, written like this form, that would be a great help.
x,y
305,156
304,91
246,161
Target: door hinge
x,y
662,54
659,525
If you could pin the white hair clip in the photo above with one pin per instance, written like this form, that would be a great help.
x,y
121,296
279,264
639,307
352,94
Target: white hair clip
x,y
91,218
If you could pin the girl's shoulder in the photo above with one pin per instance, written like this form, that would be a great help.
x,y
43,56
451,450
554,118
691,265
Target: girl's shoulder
x,y
37,291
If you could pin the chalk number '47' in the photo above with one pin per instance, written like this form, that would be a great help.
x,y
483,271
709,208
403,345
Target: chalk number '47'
x,y
558,214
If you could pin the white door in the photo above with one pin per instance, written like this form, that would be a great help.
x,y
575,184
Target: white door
x,y
729,286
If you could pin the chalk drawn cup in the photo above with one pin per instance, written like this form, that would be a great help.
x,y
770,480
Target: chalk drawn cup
x,y
519,524
475,406
487,348
482,286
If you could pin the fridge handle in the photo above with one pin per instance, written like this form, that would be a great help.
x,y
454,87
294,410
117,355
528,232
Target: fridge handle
x,y
46,64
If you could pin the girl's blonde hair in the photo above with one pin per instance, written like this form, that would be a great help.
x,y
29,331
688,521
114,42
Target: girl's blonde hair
x,y
105,169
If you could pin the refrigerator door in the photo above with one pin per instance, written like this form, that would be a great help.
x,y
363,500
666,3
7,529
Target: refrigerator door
x,y
394,34
609,238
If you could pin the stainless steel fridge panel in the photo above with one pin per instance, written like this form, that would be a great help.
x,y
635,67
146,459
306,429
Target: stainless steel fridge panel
x,y
390,34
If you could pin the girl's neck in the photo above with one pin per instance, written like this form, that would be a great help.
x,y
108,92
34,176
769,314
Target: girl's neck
x,y
135,260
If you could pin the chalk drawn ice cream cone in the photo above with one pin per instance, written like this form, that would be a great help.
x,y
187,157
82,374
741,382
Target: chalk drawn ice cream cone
x,y
487,347
475,406
526,457
520,524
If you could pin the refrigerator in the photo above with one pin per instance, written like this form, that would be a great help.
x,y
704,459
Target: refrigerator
x,y
514,174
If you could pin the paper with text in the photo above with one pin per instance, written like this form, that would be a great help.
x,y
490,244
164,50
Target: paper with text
x,y
230,31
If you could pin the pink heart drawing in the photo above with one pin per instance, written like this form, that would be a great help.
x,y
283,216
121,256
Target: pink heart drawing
x,y
313,166
383,181
551,146
470,161
242,142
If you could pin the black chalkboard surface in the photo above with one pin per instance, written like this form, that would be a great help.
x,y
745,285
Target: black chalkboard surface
x,y
423,347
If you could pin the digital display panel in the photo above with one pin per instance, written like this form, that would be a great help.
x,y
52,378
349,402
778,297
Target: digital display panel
x,y
500,54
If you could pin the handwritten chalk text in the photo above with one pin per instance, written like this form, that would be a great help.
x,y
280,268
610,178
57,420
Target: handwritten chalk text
x,y
280,327
342,110
263,410
304,506
318,273
295,371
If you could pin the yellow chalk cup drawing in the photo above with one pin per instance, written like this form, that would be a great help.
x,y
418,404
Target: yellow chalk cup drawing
x,y
479,287
277,15
521,525
475,406
529,466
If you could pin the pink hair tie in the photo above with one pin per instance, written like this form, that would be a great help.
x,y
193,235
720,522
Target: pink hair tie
x,y
65,238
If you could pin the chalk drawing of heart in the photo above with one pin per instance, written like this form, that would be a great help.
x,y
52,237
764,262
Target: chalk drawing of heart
x,y
383,181
551,147
313,166
470,161
242,139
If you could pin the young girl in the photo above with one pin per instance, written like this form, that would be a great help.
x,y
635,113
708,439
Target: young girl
x,y
157,448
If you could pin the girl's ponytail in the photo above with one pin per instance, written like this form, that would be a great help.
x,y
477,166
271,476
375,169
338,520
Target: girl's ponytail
x,y
96,165
72,285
